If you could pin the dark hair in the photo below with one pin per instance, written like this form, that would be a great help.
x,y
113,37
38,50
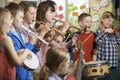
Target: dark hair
x,y
42,9
82,16
26,5
14,8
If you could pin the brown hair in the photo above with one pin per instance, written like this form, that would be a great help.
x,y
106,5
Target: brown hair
x,y
42,9
54,57
26,5
106,14
82,16
14,8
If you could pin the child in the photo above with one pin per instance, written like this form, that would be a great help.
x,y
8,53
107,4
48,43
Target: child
x,y
18,14
45,15
107,42
57,62
86,37
29,17
46,12
9,58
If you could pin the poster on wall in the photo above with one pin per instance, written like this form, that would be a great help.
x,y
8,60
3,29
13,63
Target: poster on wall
x,y
61,9
75,8
68,10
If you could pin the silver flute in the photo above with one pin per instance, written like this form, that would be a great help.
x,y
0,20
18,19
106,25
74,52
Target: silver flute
x,y
35,35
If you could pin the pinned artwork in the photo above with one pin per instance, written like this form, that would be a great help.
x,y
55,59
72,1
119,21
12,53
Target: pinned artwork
x,y
82,7
100,4
70,5
96,7
74,8
95,17
60,16
60,8
104,3
74,13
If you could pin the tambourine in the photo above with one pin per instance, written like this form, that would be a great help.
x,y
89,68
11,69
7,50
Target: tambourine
x,y
31,62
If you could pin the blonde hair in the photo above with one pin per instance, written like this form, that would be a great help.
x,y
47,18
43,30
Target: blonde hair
x,y
54,57
106,14
3,13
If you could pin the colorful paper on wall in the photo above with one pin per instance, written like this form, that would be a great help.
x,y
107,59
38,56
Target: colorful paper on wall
x,y
69,11
75,14
82,7
60,8
60,16
74,8
70,5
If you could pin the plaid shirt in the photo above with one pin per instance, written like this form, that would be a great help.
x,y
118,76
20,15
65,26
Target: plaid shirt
x,y
107,44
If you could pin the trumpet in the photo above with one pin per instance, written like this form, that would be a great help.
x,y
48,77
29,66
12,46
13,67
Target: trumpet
x,y
68,34
35,35
68,31
52,28
71,25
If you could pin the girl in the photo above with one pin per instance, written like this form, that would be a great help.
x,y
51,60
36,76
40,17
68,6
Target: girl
x,y
46,12
18,14
86,37
45,15
9,58
57,62
107,42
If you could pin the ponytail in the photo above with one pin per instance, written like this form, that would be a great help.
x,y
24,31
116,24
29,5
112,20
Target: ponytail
x,y
44,73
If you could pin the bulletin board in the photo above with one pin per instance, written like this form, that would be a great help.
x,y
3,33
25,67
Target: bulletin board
x,y
61,9
75,8
71,9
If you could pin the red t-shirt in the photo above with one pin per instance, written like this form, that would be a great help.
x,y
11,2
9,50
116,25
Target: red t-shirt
x,y
88,46
7,69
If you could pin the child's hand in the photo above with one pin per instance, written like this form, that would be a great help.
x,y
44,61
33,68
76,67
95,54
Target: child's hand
x,y
109,30
95,51
33,39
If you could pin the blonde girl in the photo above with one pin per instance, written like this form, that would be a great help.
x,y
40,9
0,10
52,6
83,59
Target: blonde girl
x,y
57,62
9,58
107,42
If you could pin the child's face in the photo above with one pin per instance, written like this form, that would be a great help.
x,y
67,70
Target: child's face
x,y
87,21
8,22
30,15
18,19
65,66
108,22
50,15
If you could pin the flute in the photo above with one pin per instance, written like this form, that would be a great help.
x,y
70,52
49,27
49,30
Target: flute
x,y
35,35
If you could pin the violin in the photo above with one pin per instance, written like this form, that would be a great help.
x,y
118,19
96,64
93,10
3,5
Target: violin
x,y
117,30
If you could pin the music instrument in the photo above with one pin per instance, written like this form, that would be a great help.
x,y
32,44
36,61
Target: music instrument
x,y
35,35
69,33
65,35
96,69
80,65
70,77
71,25
31,62
117,30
